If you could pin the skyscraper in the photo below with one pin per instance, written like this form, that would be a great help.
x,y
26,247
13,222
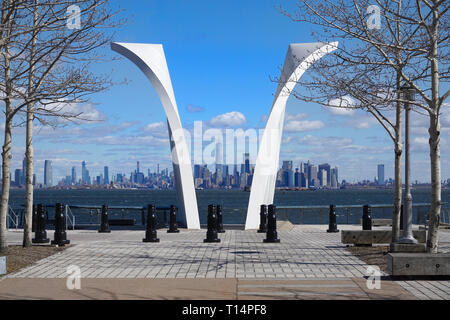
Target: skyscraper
x,y
85,178
334,178
106,175
48,173
327,168
247,162
74,175
18,177
381,174
24,172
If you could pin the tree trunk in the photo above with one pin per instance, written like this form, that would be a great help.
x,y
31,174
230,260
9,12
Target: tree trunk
x,y
436,201
435,140
6,162
398,188
29,154
6,152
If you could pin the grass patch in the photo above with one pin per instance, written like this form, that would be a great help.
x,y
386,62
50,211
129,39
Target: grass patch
x,y
18,257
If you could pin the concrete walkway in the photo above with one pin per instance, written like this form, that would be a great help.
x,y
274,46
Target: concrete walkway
x,y
308,264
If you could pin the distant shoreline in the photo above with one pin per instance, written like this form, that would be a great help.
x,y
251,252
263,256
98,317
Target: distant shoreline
x,y
96,188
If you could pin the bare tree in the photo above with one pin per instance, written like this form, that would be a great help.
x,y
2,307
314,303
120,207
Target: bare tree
x,y
375,58
54,67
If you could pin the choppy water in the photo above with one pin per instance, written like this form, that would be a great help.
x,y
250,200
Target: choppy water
x,y
234,202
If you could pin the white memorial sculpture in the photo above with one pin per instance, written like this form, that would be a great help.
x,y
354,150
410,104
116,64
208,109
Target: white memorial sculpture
x,y
151,60
299,58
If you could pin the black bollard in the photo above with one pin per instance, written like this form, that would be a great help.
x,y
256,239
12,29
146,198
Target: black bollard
x,y
173,226
272,236
367,217
401,217
60,238
332,225
263,219
211,234
150,232
104,226
220,228
34,219
40,235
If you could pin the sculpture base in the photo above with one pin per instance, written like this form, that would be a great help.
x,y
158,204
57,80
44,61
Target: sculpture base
x,y
150,240
211,240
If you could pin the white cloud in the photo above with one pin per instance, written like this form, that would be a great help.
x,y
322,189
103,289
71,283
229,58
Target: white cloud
x,y
341,106
298,116
230,119
303,125
81,113
362,121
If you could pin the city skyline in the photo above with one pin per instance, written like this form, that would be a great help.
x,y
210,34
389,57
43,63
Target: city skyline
x,y
304,175
120,136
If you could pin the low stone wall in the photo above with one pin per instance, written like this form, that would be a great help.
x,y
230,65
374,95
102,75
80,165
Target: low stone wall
x,y
365,237
418,264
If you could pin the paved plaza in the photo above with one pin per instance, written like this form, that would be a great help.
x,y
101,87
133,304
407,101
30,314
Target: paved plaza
x,y
308,263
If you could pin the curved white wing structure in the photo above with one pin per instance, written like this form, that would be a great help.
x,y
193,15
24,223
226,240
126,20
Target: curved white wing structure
x,y
151,60
299,58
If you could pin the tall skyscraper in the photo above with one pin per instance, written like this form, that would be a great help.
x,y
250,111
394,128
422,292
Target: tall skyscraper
x,y
327,168
381,174
197,171
85,178
246,163
219,163
24,172
106,175
323,178
18,177
334,178
312,176
74,175
48,173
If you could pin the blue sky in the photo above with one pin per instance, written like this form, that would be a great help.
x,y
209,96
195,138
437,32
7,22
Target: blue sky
x,y
221,56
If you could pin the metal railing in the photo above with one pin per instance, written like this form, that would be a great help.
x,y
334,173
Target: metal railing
x,y
346,214
12,217
70,217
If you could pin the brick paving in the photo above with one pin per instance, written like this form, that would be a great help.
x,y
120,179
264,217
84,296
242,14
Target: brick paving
x,y
306,253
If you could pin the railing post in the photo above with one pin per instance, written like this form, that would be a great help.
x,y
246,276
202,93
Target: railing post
x,y
219,213
263,219
34,219
104,226
150,232
211,234
173,228
367,218
332,225
401,217
272,236
40,235
60,236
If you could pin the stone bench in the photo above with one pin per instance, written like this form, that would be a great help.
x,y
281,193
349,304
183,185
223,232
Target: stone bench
x,y
418,264
379,222
367,237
